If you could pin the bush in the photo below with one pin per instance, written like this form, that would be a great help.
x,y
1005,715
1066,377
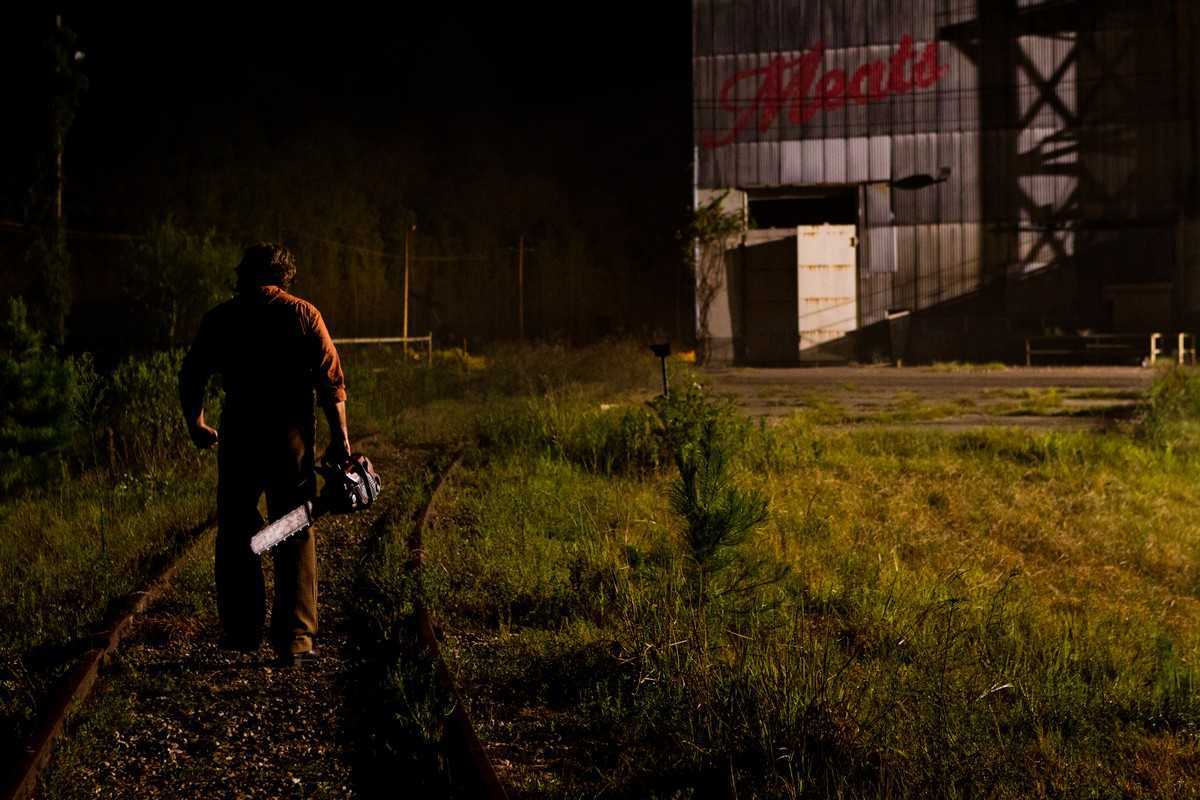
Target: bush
x,y
138,419
1172,417
58,412
40,394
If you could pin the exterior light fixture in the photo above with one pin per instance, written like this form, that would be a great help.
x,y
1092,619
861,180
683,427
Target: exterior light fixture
x,y
662,350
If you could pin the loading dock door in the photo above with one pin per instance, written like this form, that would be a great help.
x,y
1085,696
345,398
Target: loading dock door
x,y
827,286
769,298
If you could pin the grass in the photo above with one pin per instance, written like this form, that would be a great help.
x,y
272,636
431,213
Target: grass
x,y
90,738
992,613
987,613
68,551
960,366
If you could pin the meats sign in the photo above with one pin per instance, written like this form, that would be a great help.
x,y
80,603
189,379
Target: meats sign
x,y
797,86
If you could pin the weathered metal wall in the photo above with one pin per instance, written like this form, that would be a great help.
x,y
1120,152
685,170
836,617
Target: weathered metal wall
x,y
1066,127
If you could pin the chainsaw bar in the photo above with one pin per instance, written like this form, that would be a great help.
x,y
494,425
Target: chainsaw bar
x,y
283,528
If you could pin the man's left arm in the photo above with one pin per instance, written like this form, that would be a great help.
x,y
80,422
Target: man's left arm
x,y
330,385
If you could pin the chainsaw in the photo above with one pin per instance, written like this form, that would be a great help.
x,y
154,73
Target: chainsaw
x,y
350,486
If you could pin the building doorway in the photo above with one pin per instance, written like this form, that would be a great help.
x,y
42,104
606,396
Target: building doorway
x,y
800,266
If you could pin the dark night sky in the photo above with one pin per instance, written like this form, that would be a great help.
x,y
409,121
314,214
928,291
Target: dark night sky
x,y
608,94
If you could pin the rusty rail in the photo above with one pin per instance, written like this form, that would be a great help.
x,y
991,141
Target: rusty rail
x,y
463,742
78,684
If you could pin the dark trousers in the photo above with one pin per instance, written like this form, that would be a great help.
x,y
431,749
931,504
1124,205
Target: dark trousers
x,y
279,463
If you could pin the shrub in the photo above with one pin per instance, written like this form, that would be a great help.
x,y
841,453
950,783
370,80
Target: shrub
x,y
139,416
1172,417
39,398
718,516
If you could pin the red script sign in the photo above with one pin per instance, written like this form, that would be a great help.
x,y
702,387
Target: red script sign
x,y
788,83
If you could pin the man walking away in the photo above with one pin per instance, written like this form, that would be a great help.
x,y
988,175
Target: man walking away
x,y
271,350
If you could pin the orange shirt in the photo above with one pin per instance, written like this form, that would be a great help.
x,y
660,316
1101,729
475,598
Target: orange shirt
x,y
272,351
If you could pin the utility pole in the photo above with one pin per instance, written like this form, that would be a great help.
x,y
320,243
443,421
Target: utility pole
x,y
521,287
58,146
407,263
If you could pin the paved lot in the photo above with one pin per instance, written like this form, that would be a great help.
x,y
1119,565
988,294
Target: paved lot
x,y
1033,397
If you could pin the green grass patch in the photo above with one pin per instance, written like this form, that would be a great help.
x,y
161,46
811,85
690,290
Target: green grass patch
x,y
68,551
961,366
988,613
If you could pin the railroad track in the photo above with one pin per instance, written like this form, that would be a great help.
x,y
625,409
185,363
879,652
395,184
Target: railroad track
x,y
465,753
464,748
79,683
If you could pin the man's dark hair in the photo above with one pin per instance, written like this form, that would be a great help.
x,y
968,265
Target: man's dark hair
x,y
266,264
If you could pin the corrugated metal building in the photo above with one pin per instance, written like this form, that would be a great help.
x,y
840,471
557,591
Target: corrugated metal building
x,y
996,168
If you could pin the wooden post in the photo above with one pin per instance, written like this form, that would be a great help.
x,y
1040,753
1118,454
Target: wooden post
x,y
407,261
521,287
56,122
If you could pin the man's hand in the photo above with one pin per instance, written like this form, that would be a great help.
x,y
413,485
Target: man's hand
x,y
203,436
338,452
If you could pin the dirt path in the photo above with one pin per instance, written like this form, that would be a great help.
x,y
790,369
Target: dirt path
x,y
175,717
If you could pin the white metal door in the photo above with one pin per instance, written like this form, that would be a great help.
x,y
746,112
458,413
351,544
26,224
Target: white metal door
x,y
827,278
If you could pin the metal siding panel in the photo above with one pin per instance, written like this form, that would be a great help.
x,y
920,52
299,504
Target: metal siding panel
x,y
768,163
925,256
970,178
724,166
810,24
744,26
832,121
835,161
858,160
927,164
954,12
906,264
879,234
855,31
882,246
967,88
702,27
746,165
920,17
948,90
949,193
904,164
705,169
792,163
792,33
722,15
949,251
767,26
704,79
812,161
830,29
881,158
1066,50
874,298
879,23
744,93
881,114
902,292
857,116
903,119
972,267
